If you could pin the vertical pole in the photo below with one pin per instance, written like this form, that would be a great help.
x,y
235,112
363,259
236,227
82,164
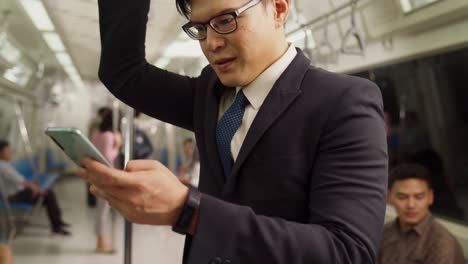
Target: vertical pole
x,y
116,125
128,130
25,138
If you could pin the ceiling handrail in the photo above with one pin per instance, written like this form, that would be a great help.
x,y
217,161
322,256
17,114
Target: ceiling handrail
x,y
353,33
320,18
326,43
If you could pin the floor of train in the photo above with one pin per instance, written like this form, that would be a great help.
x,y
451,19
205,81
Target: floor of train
x,y
35,244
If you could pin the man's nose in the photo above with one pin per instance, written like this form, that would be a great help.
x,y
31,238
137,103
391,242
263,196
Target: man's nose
x,y
214,40
411,203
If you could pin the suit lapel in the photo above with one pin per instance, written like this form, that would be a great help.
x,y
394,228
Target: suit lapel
x,y
281,96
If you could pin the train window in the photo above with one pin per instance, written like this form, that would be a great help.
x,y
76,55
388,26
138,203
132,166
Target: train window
x,y
427,123
411,5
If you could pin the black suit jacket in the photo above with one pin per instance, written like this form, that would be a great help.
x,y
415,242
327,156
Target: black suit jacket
x,y
309,184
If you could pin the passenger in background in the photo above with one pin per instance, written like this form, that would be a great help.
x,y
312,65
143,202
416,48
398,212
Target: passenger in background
x,y
19,190
189,171
415,237
142,147
93,127
96,121
445,201
108,143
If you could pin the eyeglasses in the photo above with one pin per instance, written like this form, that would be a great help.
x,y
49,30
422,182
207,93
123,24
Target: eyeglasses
x,y
222,24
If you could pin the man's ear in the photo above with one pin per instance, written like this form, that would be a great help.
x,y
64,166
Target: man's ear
x,y
281,8
431,196
389,196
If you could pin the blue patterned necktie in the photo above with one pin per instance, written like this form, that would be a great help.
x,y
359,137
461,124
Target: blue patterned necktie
x,y
227,127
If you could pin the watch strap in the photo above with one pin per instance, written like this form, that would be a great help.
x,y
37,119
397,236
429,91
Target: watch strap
x,y
191,205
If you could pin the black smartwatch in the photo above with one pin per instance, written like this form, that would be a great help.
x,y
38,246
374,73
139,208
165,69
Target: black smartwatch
x,y
191,206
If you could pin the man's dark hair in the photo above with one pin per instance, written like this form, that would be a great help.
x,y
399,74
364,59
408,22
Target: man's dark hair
x,y
103,110
3,144
106,123
409,171
183,6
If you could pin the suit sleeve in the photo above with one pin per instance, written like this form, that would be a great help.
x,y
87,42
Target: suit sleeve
x,y
347,193
126,73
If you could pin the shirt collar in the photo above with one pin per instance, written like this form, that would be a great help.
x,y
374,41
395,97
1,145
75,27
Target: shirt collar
x,y
419,229
424,226
257,91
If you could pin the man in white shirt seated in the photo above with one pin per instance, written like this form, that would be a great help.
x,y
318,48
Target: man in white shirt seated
x,y
20,190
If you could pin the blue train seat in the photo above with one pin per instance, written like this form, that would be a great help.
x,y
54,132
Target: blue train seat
x,y
25,167
51,163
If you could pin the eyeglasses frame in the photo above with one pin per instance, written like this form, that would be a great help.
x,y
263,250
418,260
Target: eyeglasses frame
x,y
236,13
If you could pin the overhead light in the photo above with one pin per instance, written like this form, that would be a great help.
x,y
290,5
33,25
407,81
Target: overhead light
x,y
412,5
406,5
38,14
79,83
75,76
71,71
64,59
54,41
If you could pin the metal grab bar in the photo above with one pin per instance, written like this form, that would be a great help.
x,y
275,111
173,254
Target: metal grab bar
x,y
308,51
325,43
296,17
25,138
353,33
128,131
320,18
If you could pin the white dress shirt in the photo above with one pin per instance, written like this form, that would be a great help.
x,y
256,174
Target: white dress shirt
x,y
11,179
255,92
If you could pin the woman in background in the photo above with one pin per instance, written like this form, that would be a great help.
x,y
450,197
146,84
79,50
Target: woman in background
x,y
108,143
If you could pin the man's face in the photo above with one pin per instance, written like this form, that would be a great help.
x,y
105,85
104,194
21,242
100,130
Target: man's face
x,y
239,57
411,199
6,153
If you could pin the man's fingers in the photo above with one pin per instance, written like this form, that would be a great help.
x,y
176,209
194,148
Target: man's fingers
x,y
101,175
82,173
142,165
111,195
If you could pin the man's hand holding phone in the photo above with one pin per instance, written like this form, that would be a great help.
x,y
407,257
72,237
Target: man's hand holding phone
x,y
146,192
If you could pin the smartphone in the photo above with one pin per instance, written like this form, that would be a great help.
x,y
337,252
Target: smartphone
x,y
75,145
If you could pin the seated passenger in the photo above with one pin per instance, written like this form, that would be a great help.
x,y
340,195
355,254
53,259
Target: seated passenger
x,y
415,237
19,190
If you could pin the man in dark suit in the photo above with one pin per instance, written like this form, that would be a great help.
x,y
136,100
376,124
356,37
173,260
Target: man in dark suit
x,y
293,158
